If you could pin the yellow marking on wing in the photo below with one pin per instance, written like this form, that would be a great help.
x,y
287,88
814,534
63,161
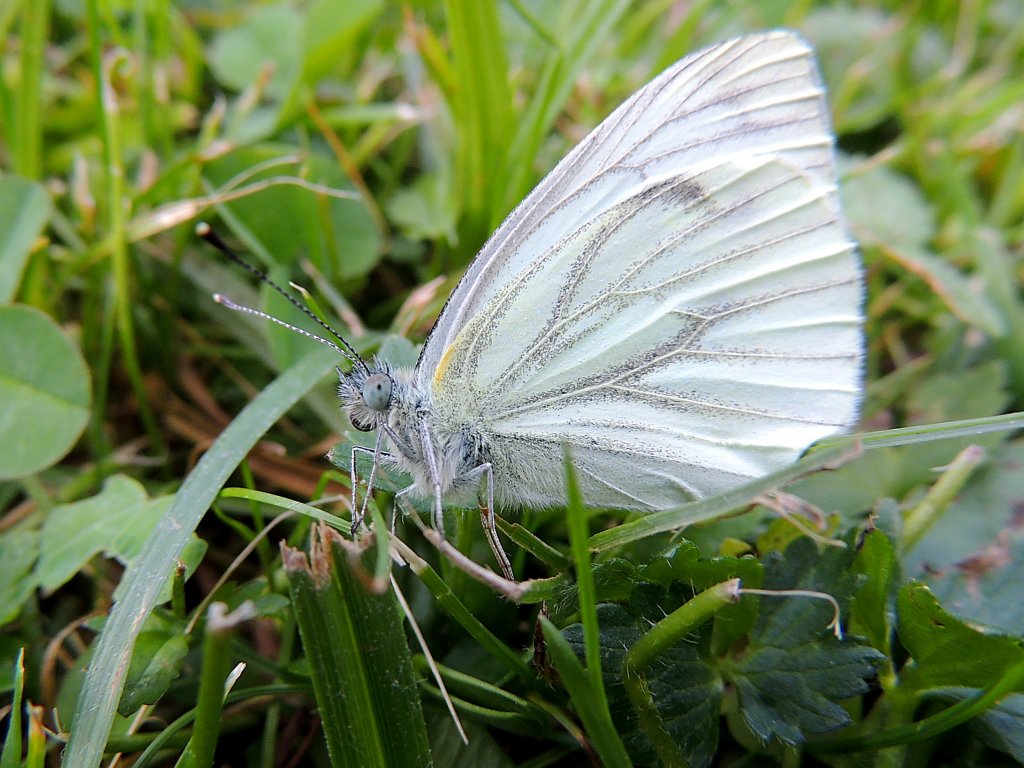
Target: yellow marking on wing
x,y
442,364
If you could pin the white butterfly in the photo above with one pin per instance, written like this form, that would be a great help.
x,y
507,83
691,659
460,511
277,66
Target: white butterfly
x,y
678,301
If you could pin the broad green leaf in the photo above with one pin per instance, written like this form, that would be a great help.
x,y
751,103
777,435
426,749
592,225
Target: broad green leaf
x,y
115,523
872,608
980,391
896,472
269,38
44,392
887,209
18,550
971,537
794,674
963,295
447,747
986,590
262,601
330,31
1002,726
24,211
156,663
947,652
425,209
398,351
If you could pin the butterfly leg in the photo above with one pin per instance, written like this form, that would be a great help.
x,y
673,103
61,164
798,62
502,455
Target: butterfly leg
x,y
427,447
398,498
359,512
487,519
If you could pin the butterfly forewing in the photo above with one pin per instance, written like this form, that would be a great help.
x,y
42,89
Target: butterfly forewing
x,y
678,300
756,95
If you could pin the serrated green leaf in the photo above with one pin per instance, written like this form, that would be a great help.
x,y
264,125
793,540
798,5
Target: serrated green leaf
x,y
684,563
785,622
686,690
794,673
947,652
790,693
614,579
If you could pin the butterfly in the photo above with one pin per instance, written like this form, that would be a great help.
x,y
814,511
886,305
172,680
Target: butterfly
x,y
678,301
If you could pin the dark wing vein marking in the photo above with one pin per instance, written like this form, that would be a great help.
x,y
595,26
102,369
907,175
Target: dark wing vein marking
x,y
710,80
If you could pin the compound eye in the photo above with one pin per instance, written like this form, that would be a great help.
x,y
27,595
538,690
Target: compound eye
x,y
377,391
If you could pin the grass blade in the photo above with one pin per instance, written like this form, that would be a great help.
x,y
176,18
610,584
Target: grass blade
x,y
145,579
362,668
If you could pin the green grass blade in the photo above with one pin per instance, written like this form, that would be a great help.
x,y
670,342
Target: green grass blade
x,y
576,523
828,453
361,666
10,757
145,579
592,708
482,107
35,24
587,26
216,665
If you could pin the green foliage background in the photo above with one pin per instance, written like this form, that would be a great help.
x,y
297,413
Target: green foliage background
x,y
366,149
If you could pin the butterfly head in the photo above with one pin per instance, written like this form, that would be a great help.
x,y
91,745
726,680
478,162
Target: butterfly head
x,y
366,394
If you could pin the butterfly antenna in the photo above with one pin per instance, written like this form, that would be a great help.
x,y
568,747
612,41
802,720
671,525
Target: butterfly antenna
x,y
205,231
